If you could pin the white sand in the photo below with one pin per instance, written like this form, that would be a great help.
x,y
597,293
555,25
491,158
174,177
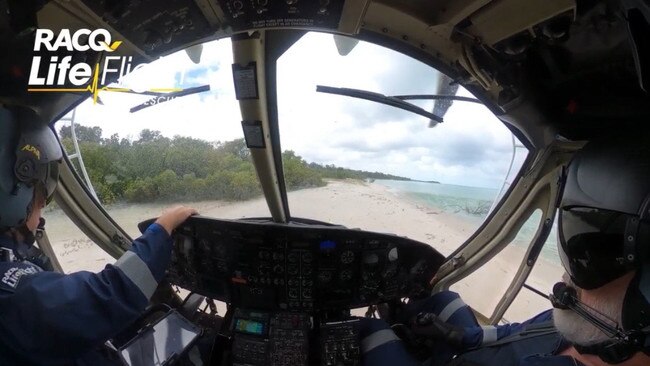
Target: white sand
x,y
356,205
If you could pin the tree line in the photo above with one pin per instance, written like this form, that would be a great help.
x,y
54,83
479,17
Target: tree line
x,y
157,168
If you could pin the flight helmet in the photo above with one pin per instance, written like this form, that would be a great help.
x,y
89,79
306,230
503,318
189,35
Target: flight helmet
x,y
604,222
29,159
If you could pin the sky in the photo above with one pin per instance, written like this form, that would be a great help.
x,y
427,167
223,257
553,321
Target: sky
x,y
471,147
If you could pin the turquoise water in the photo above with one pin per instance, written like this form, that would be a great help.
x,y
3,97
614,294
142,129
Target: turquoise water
x,y
470,203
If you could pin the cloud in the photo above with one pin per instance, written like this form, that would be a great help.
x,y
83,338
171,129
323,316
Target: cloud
x,y
472,147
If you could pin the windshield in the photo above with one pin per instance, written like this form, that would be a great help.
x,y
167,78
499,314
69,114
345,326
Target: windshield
x,y
346,161
141,153
379,167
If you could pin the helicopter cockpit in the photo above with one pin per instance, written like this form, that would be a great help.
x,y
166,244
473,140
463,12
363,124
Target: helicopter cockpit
x,y
346,157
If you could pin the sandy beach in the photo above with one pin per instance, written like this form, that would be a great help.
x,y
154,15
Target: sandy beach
x,y
368,206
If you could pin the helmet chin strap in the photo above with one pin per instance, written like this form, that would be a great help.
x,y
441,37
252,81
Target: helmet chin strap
x,y
24,250
22,244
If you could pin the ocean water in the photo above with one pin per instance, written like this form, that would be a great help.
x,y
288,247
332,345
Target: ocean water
x,y
472,204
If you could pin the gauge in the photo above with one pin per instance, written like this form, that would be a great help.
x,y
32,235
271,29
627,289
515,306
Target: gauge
x,y
345,275
293,257
391,271
222,266
307,257
264,269
264,254
205,245
347,257
293,282
324,276
220,250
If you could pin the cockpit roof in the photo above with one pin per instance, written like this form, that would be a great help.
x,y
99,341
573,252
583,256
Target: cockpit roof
x,y
570,68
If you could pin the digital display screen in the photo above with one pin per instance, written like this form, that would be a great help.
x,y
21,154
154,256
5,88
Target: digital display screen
x,y
327,244
249,326
156,346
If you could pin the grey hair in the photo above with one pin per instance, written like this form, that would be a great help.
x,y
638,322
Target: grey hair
x,y
577,330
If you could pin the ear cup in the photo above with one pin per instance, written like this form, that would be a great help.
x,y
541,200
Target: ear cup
x,y
26,169
636,305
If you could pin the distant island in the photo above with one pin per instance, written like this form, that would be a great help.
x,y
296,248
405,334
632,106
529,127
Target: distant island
x,y
333,171
425,181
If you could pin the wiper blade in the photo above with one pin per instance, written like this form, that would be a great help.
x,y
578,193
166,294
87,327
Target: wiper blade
x,y
170,96
379,98
437,97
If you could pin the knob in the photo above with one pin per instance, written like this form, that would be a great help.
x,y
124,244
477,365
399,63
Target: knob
x,y
307,257
324,276
293,257
345,275
264,254
347,257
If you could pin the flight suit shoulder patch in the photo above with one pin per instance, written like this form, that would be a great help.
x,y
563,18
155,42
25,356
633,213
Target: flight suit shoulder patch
x,y
11,272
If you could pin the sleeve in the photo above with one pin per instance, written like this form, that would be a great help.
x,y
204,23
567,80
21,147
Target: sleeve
x,y
52,316
484,335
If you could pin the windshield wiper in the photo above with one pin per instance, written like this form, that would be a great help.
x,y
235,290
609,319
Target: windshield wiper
x,y
397,101
378,98
437,97
166,97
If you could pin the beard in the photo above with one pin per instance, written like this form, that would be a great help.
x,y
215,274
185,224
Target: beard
x,y
578,330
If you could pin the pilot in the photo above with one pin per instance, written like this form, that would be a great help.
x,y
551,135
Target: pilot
x,y
49,318
601,312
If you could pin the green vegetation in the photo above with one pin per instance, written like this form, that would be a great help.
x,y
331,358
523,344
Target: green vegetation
x,y
155,168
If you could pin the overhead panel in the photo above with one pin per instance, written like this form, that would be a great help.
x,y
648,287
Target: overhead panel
x,y
75,15
244,15
505,18
211,11
157,27
353,13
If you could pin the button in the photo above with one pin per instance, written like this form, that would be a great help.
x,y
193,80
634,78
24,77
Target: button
x,y
307,257
292,257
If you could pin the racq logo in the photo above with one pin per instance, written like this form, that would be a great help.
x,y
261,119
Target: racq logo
x,y
52,76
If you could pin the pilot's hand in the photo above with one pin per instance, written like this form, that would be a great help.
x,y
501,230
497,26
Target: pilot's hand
x,y
174,216
430,326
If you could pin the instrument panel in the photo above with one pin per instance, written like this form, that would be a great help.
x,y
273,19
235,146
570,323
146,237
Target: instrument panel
x,y
297,267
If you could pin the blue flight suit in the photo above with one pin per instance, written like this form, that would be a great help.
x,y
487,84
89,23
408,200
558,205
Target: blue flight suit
x,y
49,318
380,346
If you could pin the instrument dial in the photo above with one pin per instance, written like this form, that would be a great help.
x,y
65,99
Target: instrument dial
x,y
324,276
347,257
345,275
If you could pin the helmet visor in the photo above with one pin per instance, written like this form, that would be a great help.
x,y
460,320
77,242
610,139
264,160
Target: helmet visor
x,y
591,245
